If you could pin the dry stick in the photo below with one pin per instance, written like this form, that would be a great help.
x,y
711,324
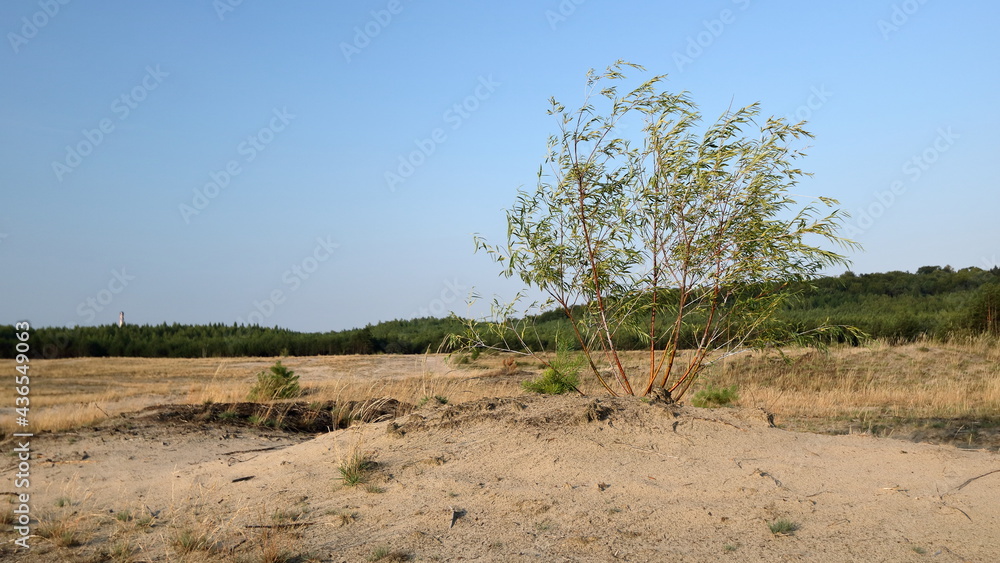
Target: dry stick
x,y
958,509
720,422
647,450
102,410
277,526
252,451
960,487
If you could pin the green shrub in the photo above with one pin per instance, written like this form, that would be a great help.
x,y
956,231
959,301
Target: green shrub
x,y
561,374
277,383
711,397
552,382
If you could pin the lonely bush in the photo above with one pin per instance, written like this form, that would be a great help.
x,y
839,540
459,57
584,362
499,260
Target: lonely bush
x,y
278,382
680,236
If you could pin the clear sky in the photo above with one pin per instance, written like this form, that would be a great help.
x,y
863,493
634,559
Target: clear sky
x,y
198,161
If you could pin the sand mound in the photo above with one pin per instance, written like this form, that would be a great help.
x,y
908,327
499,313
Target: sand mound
x,y
550,479
565,412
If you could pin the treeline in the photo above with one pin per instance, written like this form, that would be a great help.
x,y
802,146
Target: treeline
x,y
935,302
220,340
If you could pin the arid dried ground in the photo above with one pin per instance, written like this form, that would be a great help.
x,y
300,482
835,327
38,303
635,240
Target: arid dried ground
x,y
518,478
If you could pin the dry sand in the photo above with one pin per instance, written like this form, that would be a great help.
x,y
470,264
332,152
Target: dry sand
x,y
516,479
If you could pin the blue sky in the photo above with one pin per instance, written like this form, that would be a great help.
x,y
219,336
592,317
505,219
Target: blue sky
x,y
227,161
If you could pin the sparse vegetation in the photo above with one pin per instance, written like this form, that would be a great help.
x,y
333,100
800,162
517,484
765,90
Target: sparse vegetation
x,y
143,521
272,546
711,397
263,420
63,532
188,541
121,551
278,382
436,400
543,526
783,527
355,469
286,516
383,553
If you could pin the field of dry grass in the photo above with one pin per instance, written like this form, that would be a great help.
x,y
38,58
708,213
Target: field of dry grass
x,y
853,388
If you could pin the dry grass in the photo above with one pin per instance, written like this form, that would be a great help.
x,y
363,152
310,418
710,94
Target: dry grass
x,y
921,380
924,379
76,392
62,531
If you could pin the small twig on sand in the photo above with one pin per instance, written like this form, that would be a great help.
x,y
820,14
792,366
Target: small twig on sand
x,y
960,487
648,450
720,422
960,510
277,526
257,450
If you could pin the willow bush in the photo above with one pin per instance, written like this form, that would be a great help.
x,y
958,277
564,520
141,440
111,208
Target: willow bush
x,y
679,235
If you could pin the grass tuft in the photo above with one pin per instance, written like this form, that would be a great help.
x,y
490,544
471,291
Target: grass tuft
x,y
187,541
121,552
783,527
63,532
355,469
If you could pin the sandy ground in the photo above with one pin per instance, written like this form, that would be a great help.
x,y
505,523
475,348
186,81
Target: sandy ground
x,y
517,479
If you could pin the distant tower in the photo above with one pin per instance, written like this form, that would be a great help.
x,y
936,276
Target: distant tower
x,y
121,319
